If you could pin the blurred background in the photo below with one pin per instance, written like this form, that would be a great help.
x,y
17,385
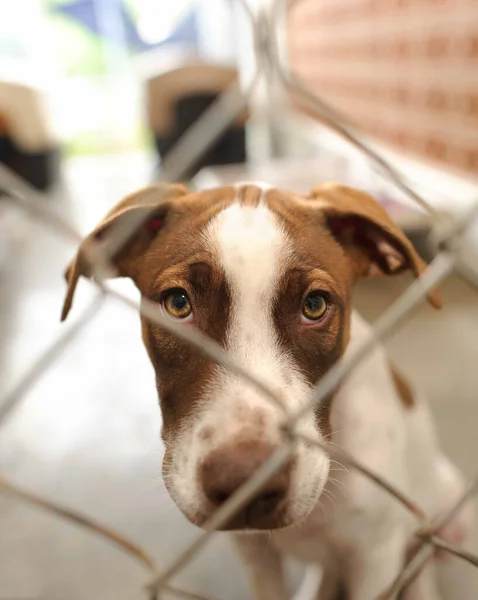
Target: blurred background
x,y
93,96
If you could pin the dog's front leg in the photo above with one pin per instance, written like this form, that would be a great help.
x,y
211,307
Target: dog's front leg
x,y
264,562
371,569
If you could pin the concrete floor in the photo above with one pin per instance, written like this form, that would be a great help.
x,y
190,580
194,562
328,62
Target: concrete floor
x,y
87,434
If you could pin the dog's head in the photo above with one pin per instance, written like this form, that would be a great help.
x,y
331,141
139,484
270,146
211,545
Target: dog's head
x,y
267,274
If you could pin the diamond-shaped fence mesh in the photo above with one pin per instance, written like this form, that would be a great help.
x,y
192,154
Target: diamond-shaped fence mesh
x,y
197,139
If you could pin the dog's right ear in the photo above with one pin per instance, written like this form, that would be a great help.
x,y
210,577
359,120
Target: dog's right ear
x,y
154,202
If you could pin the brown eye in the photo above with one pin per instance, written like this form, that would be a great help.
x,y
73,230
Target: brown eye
x,y
177,304
314,307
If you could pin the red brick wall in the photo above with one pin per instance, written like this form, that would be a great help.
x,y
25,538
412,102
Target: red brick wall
x,y
404,71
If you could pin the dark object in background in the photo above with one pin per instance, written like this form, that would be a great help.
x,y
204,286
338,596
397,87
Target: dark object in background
x,y
40,169
176,99
27,144
228,149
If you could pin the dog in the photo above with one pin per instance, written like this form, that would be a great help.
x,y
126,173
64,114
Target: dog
x,y
268,274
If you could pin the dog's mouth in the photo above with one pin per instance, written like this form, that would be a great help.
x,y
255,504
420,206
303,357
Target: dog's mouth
x,y
247,519
265,512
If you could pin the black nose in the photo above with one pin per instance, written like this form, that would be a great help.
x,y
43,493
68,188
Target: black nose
x,y
227,468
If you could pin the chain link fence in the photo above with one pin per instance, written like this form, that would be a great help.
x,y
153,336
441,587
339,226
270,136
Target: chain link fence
x,y
270,68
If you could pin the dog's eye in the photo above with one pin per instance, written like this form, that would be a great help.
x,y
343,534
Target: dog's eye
x,y
177,304
314,307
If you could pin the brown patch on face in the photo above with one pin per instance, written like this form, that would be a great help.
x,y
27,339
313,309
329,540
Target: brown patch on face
x,y
317,263
180,258
249,195
404,391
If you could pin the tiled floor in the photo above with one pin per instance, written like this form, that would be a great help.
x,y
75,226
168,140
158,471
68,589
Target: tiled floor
x,y
87,433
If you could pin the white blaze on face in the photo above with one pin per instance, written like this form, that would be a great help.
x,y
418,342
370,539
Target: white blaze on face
x,y
252,248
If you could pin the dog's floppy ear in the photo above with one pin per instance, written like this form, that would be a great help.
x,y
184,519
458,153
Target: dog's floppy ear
x,y
154,202
375,243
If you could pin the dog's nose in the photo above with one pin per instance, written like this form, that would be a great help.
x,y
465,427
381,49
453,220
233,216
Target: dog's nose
x,y
225,469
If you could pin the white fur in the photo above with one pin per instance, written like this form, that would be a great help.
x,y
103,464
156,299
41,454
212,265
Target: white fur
x,y
358,523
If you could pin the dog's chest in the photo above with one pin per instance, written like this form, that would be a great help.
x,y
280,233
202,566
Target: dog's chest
x,y
313,539
339,522
308,541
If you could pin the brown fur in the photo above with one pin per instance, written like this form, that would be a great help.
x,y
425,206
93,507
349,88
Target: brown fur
x,y
337,235
318,263
249,195
180,259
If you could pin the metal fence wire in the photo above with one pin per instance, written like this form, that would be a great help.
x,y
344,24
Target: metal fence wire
x,y
270,68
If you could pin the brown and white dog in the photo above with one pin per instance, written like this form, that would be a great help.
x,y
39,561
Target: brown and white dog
x,y
268,275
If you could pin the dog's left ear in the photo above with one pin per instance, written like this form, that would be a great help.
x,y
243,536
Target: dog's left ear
x,y
373,241
153,202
